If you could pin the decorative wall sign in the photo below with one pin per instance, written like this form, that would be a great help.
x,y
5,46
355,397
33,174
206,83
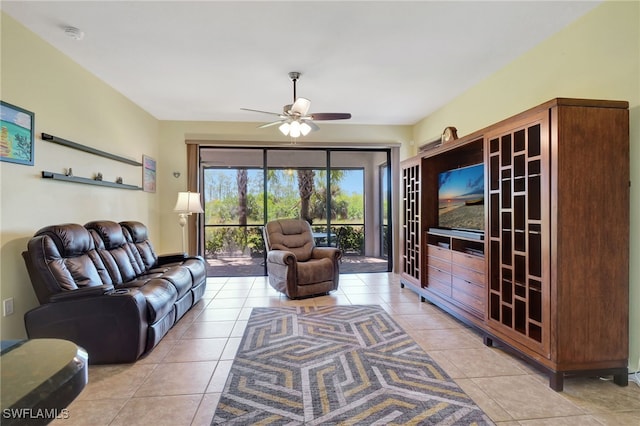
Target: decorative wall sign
x,y
16,134
148,174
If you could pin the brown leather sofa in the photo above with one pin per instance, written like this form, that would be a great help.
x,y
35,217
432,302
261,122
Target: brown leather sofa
x,y
295,266
103,287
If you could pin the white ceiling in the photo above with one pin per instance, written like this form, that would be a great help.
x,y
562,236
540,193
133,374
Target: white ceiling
x,y
386,62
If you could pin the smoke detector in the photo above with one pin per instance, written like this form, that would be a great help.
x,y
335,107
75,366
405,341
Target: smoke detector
x,y
73,33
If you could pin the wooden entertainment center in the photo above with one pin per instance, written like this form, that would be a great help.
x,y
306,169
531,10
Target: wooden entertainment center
x,y
549,276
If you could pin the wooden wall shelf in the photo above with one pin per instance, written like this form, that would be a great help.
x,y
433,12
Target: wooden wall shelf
x,y
80,147
87,181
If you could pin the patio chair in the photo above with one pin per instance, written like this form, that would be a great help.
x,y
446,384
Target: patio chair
x,y
340,241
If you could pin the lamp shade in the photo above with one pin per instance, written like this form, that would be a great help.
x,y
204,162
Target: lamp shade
x,y
284,128
305,128
188,202
294,129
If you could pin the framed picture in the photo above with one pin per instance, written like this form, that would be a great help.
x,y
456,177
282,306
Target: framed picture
x,y
16,134
148,174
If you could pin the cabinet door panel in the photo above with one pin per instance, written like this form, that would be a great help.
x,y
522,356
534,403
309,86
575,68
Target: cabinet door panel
x,y
410,227
522,217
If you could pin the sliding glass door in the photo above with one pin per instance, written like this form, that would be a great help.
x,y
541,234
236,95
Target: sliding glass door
x,y
337,191
233,190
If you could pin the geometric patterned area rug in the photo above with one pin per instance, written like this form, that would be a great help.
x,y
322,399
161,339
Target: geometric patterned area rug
x,y
337,365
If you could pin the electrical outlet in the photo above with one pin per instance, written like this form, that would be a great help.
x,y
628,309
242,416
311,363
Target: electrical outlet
x,y
7,307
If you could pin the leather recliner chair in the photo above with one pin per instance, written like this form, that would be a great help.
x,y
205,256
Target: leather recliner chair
x,y
295,266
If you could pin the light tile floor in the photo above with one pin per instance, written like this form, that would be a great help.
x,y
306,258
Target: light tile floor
x,y
180,381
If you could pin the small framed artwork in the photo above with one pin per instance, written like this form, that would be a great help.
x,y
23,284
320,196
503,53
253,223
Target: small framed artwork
x,y
16,134
148,174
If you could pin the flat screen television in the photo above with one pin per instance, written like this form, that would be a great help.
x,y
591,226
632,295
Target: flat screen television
x,y
461,199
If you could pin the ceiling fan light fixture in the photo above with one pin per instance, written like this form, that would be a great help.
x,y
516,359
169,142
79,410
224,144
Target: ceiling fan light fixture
x,y
304,128
294,129
284,128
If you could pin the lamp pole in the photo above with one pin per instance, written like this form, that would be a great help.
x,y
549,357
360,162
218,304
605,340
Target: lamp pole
x,y
183,221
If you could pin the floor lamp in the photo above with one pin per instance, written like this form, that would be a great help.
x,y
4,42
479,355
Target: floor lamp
x,y
187,204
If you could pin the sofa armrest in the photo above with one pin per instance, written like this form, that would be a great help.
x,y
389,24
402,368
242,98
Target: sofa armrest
x,y
281,257
163,259
81,293
112,328
328,252
282,267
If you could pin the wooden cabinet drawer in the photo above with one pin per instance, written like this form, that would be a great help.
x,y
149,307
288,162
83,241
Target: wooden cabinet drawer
x,y
439,263
471,302
468,274
439,252
439,281
441,287
468,294
438,274
471,289
468,260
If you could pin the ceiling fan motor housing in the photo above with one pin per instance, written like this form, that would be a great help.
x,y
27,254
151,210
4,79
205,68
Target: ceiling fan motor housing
x,y
294,75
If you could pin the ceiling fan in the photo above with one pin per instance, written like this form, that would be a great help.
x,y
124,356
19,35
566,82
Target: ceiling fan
x,y
295,119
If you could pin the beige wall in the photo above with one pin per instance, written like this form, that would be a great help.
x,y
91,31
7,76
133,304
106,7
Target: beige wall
x,y
73,104
596,57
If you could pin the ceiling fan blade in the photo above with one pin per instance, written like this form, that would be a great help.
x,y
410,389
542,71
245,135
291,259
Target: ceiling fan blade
x,y
301,106
330,116
263,112
273,123
311,124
